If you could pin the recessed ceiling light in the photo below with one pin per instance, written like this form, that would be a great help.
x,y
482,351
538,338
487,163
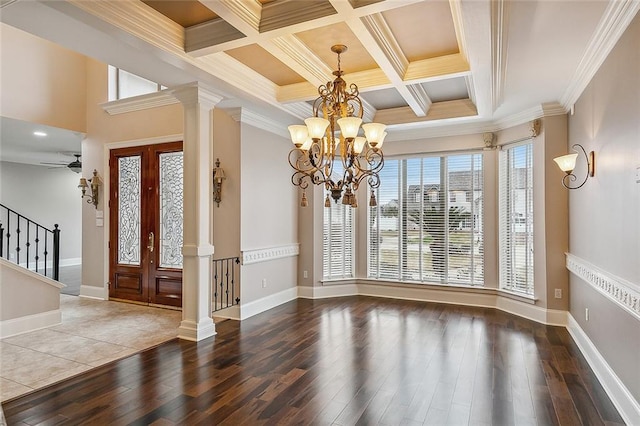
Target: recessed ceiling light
x,y
39,133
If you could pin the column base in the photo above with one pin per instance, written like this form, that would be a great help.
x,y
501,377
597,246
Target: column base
x,y
189,330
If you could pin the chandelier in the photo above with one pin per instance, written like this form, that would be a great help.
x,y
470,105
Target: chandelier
x,y
319,144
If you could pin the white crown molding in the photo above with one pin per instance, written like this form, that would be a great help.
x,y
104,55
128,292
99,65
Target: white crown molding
x,y
205,38
456,14
622,292
247,116
237,74
369,111
439,68
374,32
140,20
499,44
243,15
139,103
427,130
548,109
192,93
268,254
421,97
613,24
471,90
300,110
622,399
380,31
297,56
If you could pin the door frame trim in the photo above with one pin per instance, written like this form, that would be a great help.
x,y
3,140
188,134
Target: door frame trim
x,y
106,190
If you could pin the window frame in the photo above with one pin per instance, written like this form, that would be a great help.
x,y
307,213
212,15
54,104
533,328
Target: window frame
x,y
429,195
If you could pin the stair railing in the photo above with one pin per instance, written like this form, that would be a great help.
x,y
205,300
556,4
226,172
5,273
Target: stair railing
x,y
226,285
29,244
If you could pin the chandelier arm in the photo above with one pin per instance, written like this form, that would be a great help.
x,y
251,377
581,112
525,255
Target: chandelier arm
x,y
303,167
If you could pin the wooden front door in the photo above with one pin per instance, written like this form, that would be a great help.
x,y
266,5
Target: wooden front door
x,y
145,244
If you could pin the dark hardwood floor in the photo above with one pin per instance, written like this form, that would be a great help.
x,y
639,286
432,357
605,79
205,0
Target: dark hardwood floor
x,y
345,361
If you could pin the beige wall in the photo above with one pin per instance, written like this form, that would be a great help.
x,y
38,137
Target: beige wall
x,y
41,82
103,129
268,212
226,217
605,213
16,287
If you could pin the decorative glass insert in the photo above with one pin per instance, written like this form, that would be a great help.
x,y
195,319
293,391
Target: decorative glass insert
x,y
129,193
171,196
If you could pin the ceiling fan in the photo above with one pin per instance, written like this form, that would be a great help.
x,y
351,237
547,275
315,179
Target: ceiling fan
x,y
74,166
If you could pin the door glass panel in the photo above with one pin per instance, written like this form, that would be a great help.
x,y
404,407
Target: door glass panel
x,y
171,196
129,192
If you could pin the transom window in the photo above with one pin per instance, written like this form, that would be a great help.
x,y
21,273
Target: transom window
x,y
123,84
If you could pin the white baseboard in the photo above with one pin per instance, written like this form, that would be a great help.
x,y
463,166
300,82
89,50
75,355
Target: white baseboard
x,y
532,312
470,297
29,323
626,404
91,292
328,291
232,312
258,306
71,261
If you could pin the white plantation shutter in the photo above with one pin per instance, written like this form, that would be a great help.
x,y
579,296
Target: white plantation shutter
x,y
337,241
516,218
427,226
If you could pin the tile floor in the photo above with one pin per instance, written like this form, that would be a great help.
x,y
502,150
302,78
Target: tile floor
x,y
92,333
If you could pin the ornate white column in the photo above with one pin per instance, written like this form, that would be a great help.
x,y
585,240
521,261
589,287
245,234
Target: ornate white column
x,y
198,103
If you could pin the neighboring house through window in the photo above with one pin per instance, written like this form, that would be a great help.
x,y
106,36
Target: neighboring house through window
x,y
429,237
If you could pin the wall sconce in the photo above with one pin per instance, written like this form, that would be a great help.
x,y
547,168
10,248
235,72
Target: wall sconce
x,y
95,182
568,162
218,177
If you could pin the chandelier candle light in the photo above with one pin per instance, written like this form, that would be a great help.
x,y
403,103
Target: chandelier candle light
x,y
318,145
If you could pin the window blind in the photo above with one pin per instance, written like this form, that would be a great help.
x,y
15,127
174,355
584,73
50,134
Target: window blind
x,y
428,224
516,219
337,241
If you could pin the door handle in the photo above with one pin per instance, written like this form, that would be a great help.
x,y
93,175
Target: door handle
x,y
151,241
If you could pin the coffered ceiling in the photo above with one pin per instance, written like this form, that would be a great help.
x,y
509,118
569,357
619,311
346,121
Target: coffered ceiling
x,y
424,67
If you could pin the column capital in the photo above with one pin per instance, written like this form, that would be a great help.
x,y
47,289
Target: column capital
x,y
196,92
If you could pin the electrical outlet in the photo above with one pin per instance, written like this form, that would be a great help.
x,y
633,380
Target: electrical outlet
x,y
305,274
638,174
264,283
586,314
558,293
